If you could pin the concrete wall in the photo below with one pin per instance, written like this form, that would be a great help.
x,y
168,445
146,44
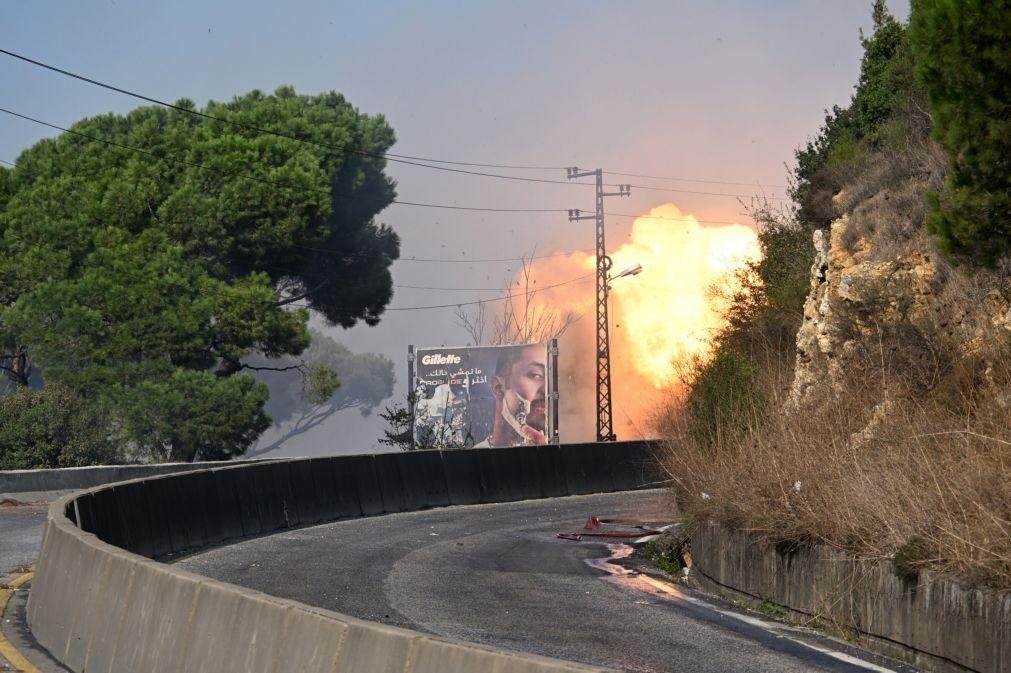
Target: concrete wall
x,y
13,482
100,603
934,623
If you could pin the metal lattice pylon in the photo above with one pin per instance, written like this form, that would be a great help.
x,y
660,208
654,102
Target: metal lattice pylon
x,y
605,424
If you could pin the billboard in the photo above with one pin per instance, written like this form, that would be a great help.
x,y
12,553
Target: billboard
x,y
483,397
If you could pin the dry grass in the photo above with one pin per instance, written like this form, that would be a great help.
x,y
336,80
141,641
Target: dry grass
x,y
924,481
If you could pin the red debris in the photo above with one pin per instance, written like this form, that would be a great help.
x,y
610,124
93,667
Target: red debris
x,y
597,524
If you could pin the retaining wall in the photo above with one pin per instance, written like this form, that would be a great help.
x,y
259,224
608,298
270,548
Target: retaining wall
x,y
100,603
933,623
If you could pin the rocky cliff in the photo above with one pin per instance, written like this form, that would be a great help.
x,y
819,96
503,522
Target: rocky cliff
x,y
885,304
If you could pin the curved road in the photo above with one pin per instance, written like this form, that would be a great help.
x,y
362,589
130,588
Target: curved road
x,y
496,574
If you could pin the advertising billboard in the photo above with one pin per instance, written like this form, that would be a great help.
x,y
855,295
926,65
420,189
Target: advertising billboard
x,y
483,397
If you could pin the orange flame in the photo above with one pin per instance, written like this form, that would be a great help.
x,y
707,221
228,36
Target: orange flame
x,y
670,310
666,312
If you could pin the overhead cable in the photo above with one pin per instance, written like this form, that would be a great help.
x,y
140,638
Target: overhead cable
x,y
402,159
708,182
272,182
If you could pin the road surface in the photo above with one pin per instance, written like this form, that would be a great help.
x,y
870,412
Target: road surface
x,y
21,529
498,575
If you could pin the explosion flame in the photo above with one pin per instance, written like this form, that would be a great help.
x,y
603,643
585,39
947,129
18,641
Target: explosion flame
x,y
666,313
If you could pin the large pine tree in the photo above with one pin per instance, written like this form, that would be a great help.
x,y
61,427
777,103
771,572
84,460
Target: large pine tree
x,y
146,279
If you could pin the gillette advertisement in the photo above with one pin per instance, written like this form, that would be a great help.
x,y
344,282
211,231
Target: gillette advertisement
x,y
482,397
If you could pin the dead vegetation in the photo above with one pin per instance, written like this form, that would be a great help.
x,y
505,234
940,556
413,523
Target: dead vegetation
x,y
873,468
520,320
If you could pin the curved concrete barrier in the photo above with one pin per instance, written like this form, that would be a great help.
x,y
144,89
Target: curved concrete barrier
x,y
13,482
934,623
101,603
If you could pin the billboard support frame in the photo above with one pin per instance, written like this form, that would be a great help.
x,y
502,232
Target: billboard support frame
x,y
411,394
553,437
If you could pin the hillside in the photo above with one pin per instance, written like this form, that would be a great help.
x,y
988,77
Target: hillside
x,y
861,394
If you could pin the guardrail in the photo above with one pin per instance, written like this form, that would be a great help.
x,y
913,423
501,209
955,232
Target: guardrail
x,y
100,603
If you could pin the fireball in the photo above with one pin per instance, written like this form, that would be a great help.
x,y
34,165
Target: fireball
x,y
669,311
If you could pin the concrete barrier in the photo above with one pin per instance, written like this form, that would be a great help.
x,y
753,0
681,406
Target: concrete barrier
x,y
933,623
101,603
13,482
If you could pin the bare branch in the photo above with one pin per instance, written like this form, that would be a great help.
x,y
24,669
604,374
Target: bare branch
x,y
533,322
297,297
300,367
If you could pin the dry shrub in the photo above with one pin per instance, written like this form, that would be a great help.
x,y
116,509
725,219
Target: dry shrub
x,y
924,481
887,224
884,194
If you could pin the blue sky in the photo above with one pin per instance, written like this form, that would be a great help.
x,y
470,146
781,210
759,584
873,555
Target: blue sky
x,y
718,90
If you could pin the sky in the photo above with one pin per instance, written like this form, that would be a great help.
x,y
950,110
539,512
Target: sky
x,y
714,90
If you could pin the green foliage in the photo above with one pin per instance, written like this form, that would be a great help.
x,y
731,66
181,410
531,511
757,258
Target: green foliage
x,y
51,428
128,276
873,121
768,308
666,555
772,609
321,382
885,73
193,415
399,432
6,185
724,396
964,61
911,558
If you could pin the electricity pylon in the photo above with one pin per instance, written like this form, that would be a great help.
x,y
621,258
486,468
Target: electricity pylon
x,y
605,425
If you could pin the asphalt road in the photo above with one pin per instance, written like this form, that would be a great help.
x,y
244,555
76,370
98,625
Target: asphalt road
x,y
497,574
21,529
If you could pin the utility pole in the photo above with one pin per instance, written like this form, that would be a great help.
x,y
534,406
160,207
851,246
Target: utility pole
x,y
605,425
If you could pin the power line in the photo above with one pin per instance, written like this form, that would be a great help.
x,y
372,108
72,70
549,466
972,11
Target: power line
x,y
433,260
578,279
293,272
669,219
690,191
491,259
9,163
398,202
403,159
446,260
273,182
528,293
452,289
518,167
708,182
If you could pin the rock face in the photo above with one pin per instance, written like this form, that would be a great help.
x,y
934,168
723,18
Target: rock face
x,y
884,293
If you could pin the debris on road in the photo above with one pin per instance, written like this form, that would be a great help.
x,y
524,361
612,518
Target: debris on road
x,y
597,529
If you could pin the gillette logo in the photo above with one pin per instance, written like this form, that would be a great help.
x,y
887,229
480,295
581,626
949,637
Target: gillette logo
x,y
440,359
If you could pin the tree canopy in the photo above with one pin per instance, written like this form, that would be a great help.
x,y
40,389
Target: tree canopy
x,y
147,256
51,428
964,60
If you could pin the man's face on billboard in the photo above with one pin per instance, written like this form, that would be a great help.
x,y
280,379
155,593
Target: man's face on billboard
x,y
527,379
